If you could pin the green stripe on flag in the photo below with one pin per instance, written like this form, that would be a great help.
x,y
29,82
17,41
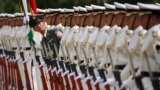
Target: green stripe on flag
x,y
30,37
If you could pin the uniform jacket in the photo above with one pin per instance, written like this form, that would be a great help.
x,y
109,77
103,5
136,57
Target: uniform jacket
x,y
50,42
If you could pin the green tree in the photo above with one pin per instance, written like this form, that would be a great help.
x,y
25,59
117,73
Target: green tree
x,y
12,6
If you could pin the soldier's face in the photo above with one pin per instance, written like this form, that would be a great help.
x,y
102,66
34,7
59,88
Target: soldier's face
x,y
40,27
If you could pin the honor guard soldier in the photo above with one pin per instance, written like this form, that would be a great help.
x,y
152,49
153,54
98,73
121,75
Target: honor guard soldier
x,y
149,63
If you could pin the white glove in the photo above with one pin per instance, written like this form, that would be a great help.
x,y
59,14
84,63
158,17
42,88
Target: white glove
x,y
129,83
110,81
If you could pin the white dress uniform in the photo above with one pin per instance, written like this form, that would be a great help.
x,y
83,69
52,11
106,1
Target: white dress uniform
x,y
21,40
101,55
62,50
18,57
1,57
148,58
110,46
99,46
110,43
122,56
6,42
70,42
134,50
82,42
131,44
148,45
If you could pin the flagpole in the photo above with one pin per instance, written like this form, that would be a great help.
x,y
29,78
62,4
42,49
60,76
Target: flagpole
x,y
25,10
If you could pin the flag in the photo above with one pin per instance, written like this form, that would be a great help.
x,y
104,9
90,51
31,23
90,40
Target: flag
x,y
33,6
30,37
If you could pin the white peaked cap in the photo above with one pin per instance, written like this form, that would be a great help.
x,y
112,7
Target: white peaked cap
x,y
5,14
120,5
158,4
68,10
19,14
148,6
41,10
61,10
53,10
96,7
132,7
89,8
109,6
47,10
2,15
10,15
82,9
75,8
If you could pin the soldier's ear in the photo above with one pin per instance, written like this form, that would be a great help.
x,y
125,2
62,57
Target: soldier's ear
x,y
140,33
154,34
129,32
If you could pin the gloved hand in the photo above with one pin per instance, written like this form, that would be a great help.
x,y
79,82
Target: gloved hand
x,y
110,82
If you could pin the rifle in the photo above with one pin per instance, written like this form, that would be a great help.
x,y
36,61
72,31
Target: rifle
x,y
115,72
137,78
5,73
59,66
22,66
91,70
65,70
84,70
154,80
57,77
47,58
17,65
73,67
83,66
11,65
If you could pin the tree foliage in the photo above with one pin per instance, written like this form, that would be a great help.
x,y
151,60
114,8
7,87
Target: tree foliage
x,y
12,6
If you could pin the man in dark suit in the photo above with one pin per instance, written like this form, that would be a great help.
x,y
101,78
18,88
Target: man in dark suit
x,y
51,37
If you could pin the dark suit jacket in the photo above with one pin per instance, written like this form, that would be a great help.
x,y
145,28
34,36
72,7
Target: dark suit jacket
x,y
50,41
